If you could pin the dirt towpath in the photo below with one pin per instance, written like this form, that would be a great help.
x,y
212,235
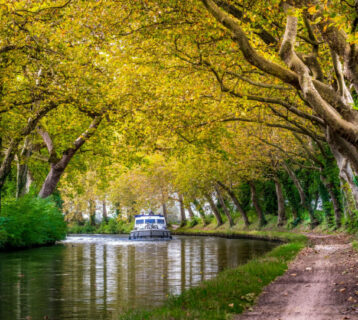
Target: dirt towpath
x,y
320,284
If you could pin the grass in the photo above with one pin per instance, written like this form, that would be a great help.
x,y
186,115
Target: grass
x,y
112,226
233,290
269,232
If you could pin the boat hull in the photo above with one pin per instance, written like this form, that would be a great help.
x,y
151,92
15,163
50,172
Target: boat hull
x,y
151,234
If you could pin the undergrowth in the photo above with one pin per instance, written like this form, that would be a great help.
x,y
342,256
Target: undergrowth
x,y
30,221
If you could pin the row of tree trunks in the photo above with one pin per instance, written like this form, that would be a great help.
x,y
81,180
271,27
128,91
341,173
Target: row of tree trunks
x,y
236,202
331,101
304,203
12,148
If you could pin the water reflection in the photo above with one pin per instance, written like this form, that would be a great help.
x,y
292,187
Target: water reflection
x,y
97,277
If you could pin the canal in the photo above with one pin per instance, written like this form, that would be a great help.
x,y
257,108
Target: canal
x,y
98,277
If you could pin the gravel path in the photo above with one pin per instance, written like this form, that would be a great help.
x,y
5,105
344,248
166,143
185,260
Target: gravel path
x,y
321,284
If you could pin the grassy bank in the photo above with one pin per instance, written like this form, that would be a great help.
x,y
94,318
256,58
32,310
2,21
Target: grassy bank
x,y
112,226
233,290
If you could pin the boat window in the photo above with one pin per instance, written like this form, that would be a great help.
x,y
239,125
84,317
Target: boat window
x,y
160,221
139,222
150,221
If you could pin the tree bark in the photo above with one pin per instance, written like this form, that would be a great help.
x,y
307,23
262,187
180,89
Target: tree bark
x,y
236,202
280,203
336,204
225,208
346,167
58,166
256,204
182,211
165,213
104,211
192,216
92,212
14,143
201,211
191,213
22,177
304,202
214,210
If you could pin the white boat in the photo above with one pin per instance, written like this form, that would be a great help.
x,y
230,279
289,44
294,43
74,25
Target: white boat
x,y
150,227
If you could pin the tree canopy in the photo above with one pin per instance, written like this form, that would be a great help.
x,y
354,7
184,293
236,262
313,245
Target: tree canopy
x,y
140,103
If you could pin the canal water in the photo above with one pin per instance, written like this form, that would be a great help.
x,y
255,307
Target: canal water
x,y
98,277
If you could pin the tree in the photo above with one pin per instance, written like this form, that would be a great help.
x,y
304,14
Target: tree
x,y
332,104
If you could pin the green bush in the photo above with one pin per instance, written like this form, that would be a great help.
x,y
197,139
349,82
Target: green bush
x,y
193,222
30,221
3,237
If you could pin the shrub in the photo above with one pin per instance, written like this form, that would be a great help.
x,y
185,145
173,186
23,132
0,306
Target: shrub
x,y
193,222
3,237
30,221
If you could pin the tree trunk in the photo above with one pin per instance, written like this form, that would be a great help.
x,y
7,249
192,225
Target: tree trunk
x,y
345,170
52,180
9,156
104,211
191,213
92,212
192,216
58,166
78,215
165,213
294,213
214,210
182,211
225,208
22,179
304,202
201,211
256,204
236,202
335,201
280,203
348,200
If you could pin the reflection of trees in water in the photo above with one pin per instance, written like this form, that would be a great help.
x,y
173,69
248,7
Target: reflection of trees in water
x,y
98,281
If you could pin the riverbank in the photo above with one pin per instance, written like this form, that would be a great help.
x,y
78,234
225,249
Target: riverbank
x,y
233,290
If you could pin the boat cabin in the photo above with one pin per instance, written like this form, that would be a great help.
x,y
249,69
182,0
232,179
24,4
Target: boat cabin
x,y
143,221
